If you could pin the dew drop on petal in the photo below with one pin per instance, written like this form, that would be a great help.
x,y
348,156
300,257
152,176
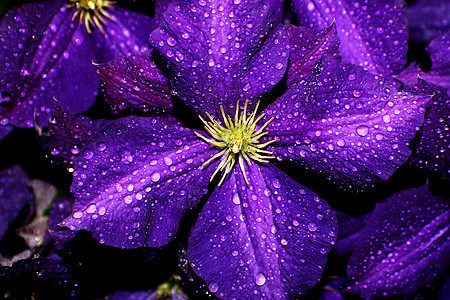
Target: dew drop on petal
x,y
260,279
236,199
362,130
213,286
88,154
155,177
312,227
276,183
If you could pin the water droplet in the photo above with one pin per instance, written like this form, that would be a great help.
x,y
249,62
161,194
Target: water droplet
x,y
236,199
386,118
312,227
77,38
260,279
101,147
362,130
171,41
213,286
351,76
356,93
276,183
88,154
155,177
246,87
279,66
168,161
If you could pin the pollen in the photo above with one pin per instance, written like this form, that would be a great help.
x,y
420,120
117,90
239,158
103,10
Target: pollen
x,y
238,140
92,13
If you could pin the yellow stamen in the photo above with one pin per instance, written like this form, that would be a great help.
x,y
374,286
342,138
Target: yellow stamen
x,y
92,13
239,140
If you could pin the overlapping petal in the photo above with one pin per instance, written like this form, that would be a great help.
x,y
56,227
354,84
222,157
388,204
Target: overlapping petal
x,y
404,246
346,123
307,48
373,35
126,35
431,145
136,179
266,240
68,135
134,82
14,195
221,52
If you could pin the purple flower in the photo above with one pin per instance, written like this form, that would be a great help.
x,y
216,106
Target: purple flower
x,y
259,233
47,50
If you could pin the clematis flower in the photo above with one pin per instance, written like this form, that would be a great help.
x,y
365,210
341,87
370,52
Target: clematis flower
x,y
46,52
259,233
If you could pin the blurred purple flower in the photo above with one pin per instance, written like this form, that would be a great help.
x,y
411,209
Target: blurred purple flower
x,y
259,232
47,50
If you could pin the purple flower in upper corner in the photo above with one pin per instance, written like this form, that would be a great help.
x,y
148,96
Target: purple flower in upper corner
x,y
46,52
404,246
259,233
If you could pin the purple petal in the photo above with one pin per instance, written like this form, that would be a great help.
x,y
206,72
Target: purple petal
x,y
404,246
307,48
14,195
56,63
134,82
277,7
222,52
346,123
61,209
160,7
349,232
68,135
267,239
373,36
440,69
136,179
5,130
125,36
431,145
428,19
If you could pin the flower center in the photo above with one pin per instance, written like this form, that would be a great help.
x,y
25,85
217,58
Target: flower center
x,y
239,140
92,13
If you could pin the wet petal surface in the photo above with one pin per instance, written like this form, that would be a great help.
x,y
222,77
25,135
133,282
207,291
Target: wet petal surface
x,y
353,134
404,246
136,179
431,145
307,48
68,135
373,35
222,52
125,36
267,239
134,82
